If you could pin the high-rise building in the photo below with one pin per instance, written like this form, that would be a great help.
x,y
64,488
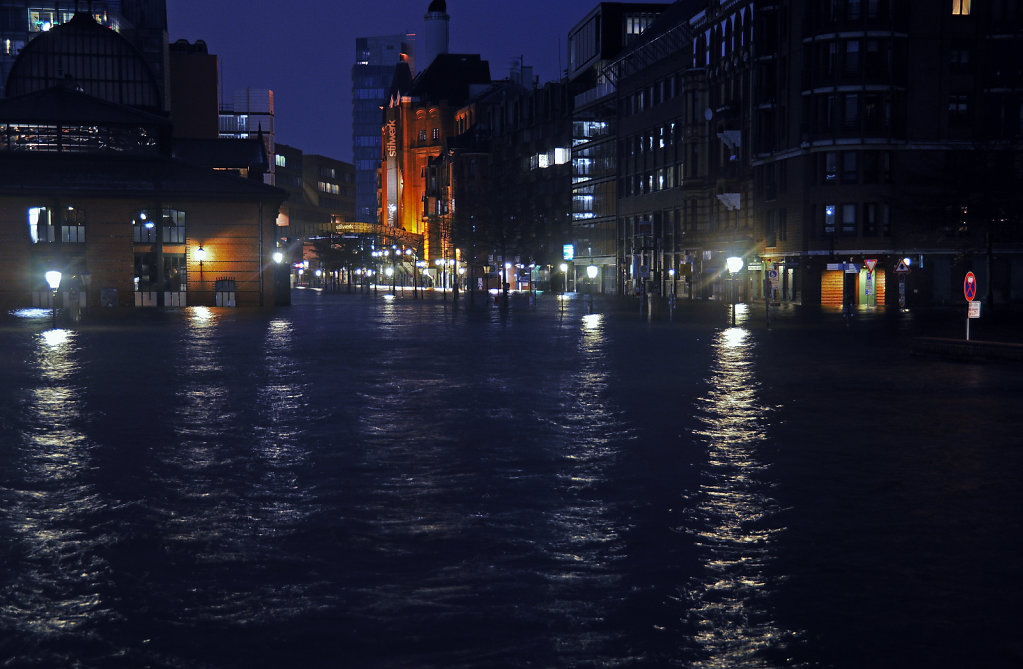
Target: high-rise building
x,y
375,59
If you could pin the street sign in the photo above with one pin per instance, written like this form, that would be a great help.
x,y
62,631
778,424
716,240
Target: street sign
x,y
871,263
832,266
852,268
772,275
903,267
970,287
974,310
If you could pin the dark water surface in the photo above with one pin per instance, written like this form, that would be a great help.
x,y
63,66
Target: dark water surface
x,y
365,482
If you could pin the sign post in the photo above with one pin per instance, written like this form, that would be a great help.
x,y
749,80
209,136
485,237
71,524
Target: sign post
x,y
970,292
902,270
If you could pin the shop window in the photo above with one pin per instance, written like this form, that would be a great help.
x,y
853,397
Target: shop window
x,y
960,7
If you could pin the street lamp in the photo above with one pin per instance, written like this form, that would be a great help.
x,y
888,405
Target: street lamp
x,y
200,254
86,280
53,279
410,257
734,265
278,257
671,306
591,272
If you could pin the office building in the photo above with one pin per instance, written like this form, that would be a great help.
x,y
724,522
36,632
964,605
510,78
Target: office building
x,y
600,37
375,60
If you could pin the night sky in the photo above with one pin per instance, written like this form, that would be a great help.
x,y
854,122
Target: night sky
x,y
304,49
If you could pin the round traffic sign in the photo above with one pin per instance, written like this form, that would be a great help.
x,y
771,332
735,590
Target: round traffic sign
x,y
970,287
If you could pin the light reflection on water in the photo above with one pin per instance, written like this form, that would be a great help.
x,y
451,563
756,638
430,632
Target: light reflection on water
x,y
734,525
59,564
586,532
282,400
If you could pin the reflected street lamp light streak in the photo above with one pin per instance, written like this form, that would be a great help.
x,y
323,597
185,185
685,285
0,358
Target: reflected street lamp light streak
x,y
53,279
734,265
732,519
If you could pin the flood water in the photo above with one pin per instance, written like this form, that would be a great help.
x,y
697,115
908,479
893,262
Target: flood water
x,y
360,481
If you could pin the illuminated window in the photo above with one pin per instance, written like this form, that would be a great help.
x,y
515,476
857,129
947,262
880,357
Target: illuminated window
x,y
72,229
144,228
280,160
40,226
436,133
830,215
831,167
960,7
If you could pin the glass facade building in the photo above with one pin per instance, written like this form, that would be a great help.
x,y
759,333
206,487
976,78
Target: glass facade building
x,y
375,58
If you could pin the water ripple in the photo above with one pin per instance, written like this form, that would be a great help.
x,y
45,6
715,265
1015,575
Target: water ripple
x,y
733,519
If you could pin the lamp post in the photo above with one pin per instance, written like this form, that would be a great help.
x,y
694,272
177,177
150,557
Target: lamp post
x,y
671,299
592,271
53,279
734,265
442,277
564,283
410,257
86,281
200,254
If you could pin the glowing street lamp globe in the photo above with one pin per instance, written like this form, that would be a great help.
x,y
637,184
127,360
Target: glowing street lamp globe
x,y
53,279
734,264
592,271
